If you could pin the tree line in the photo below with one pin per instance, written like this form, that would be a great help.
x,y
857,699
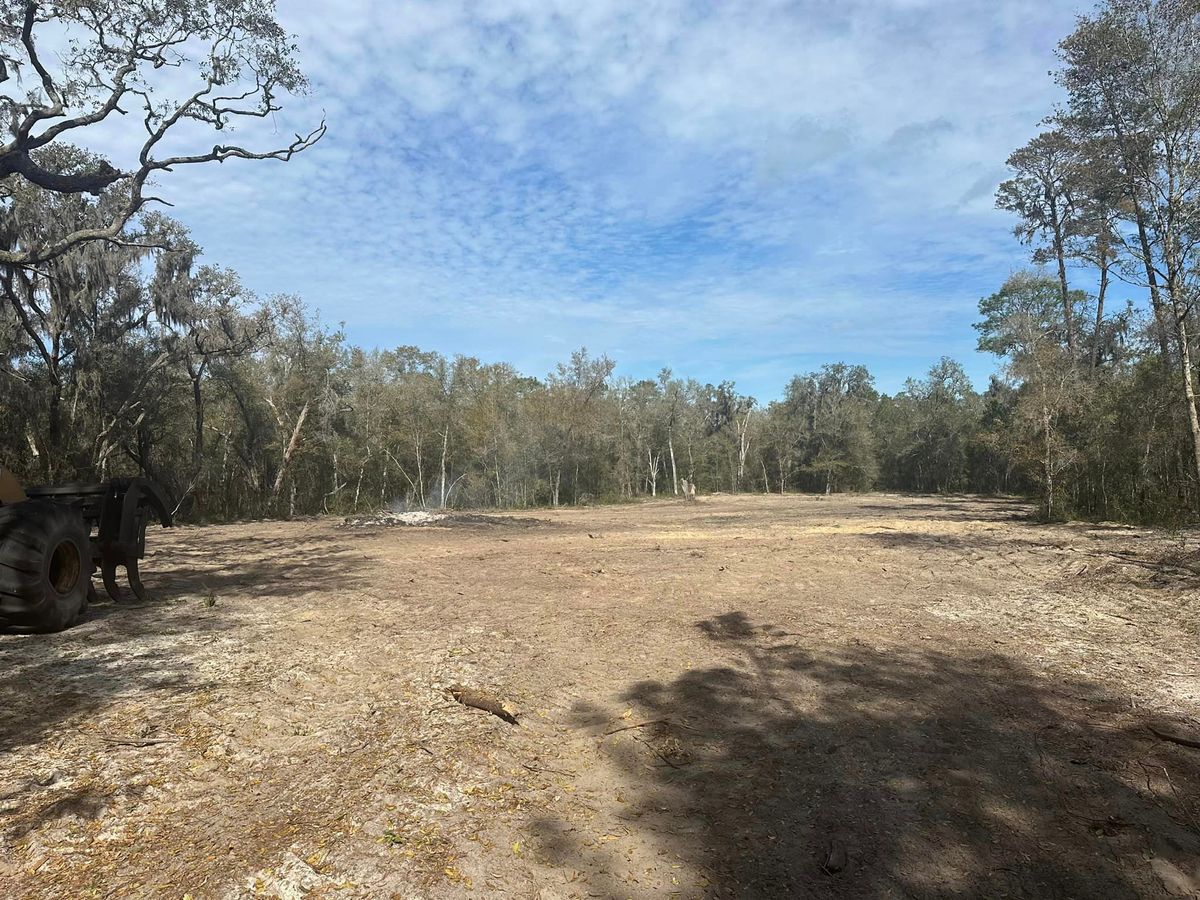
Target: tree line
x,y
244,407
123,351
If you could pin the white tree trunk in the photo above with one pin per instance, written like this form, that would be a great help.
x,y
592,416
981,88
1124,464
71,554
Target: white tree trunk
x,y
674,471
286,462
362,470
743,428
1189,390
442,483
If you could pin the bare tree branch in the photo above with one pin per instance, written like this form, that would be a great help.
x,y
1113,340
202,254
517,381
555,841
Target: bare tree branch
x,y
247,54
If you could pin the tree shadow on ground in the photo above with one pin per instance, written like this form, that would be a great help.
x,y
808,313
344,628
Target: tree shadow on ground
x,y
962,508
271,566
52,681
850,772
975,541
85,802
1162,567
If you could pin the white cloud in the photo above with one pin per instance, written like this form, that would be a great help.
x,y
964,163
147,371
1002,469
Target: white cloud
x,y
719,187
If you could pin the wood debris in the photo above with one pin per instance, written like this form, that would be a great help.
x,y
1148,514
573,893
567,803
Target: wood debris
x,y
477,699
1168,734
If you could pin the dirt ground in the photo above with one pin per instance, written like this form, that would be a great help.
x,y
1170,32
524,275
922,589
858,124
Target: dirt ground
x,y
868,696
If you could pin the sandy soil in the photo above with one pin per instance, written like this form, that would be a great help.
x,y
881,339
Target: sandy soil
x,y
872,696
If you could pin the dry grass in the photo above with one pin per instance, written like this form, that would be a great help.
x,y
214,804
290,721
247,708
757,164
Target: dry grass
x,y
722,698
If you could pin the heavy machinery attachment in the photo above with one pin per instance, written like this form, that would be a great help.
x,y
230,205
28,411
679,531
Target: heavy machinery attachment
x,y
117,513
52,539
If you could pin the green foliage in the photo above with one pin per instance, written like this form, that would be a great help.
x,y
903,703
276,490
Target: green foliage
x,y
1025,298
826,419
927,431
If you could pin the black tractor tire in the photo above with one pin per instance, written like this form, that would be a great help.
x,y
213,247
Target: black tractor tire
x,y
45,565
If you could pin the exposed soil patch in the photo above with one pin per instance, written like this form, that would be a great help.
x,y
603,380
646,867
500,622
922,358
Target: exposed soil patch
x,y
849,697
423,518
492,519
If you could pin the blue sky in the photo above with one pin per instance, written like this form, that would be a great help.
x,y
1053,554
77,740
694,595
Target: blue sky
x,y
738,190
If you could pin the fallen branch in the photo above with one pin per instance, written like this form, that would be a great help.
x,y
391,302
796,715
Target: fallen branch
x,y
638,725
481,700
670,762
1180,739
1149,563
137,742
547,769
647,724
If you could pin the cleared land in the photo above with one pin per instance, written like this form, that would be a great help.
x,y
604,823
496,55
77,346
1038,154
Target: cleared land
x,y
872,696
